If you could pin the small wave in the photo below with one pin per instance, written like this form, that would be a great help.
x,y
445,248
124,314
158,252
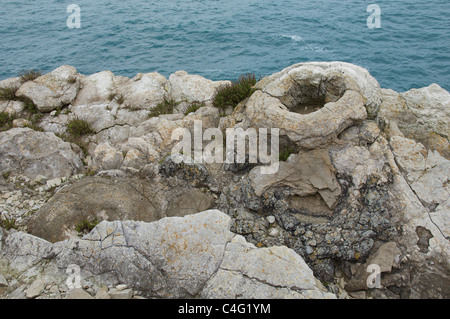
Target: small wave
x,y
295,38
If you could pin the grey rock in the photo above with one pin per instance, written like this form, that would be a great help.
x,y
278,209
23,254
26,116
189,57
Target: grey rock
x,y
175,258
120,294
3,281
30,153
36,289
78,293
95,198
52,90
306,173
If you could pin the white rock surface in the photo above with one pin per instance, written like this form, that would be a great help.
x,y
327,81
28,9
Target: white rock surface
x,y
52,90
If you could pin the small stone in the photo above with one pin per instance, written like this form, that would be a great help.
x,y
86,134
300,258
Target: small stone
x,y
36,289
102,294
21,123
271,219
78,293
7,195
121,287
54,182
18,293
273,232
3,282
40,179
124,294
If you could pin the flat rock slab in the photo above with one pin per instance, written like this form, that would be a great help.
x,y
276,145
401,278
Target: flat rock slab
x,y
175,257
101,198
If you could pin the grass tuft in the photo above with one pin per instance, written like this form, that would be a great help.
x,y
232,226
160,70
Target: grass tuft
x,y
8,93
79,127
85,226
285,153
232,94
29,75
165,107
6,121
194,106
8,223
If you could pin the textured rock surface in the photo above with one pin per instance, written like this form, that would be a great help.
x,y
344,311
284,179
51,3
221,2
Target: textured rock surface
x,y
52,90
305,173
420,114
364,182
100,198
189,88
172,258
30,153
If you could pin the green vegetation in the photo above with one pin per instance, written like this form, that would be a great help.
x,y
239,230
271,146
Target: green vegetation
x,y
165,107
85,226
79,127
231,95
8,93
285,153
194,106
6,121
29,75
8,223
5,175
29,104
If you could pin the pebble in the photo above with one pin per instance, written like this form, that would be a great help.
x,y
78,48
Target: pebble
x,y
123,294
78,293
121,287
3,282
36,289
271,219
273,232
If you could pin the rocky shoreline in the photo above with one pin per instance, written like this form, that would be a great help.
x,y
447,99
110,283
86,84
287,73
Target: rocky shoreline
x,y
88,178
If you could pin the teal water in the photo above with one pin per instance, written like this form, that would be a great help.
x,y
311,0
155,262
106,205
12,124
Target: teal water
x,y
223,39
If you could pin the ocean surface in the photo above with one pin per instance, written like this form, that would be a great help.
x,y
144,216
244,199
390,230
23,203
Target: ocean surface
x,y
223,39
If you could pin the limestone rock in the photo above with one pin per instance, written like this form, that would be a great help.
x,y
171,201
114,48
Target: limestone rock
x,y
186,88
36,289
306,173
428,173
78,293
306,130
52,90
95,198
96,89
144,91
275,272
106,157
31,153
120,294
420,114
174,258
3,281
322,82
356,162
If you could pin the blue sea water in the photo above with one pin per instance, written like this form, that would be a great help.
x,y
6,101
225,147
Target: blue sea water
x,y
223,39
